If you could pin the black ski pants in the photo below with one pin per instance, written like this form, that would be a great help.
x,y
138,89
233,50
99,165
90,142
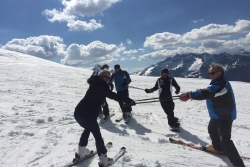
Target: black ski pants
x,y
105,107
123,108
90,125
168,107
220,134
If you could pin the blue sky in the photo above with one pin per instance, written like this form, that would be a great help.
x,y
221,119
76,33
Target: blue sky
x,y
132,33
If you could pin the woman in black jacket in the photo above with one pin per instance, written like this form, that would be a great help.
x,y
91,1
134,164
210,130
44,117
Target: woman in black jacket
x,y
87,110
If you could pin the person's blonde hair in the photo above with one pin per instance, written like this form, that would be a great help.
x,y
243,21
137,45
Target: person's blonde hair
x,y
103,72
218,67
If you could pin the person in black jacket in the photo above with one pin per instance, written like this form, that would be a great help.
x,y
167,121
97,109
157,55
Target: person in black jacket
x,y
105,107
164,84
87,111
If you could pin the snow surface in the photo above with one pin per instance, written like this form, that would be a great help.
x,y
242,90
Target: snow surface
x,y
38,98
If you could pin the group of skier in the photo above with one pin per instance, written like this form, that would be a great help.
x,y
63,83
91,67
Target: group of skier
x,y
219,96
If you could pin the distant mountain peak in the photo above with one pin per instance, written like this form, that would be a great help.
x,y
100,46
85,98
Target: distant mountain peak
x,y
193,65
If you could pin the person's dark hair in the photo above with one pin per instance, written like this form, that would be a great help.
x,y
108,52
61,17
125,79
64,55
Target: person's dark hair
x,y
218,67
105,66
164,70
117,66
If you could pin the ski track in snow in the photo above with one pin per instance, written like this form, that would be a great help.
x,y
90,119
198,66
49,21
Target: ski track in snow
x,y
38,98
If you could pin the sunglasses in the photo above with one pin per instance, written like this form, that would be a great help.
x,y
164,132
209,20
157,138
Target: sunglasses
x,y
212,73
107,77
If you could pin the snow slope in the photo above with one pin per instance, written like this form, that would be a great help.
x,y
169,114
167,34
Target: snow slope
x,y
37,102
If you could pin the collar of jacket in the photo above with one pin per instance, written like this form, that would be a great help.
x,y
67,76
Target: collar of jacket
x,y
217,79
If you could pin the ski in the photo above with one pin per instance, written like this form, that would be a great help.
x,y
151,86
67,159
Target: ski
x,y
77,160
116,157
202,148
107,118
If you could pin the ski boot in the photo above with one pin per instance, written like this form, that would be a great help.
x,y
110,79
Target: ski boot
x,y
82,152
104,160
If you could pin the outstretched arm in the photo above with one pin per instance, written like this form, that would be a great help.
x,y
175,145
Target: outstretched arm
x,y
153,89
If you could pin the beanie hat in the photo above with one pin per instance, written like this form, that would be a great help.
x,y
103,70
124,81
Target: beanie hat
x,y
164,70
116,66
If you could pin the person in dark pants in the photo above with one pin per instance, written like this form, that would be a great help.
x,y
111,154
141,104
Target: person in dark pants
x,y
222,111
87,111
122,80
105,106
164,84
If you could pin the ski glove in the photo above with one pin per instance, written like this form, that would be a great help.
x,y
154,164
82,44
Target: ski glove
x,y
124,84
177,92
148,90
130,103
186,96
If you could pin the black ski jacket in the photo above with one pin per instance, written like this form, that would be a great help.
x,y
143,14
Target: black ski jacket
x,y
165,86
95,95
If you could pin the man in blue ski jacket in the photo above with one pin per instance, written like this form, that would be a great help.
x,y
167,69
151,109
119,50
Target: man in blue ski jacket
x,y
122,80
221,107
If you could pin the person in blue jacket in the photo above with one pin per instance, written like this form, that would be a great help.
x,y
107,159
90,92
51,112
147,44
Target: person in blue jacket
x,y
221,107
122,80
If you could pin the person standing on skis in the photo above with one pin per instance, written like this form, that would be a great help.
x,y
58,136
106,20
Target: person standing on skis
x,y
87,111
122,80
164,84
105,106
221,107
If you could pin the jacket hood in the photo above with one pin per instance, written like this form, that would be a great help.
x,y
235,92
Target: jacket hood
x,y
96,80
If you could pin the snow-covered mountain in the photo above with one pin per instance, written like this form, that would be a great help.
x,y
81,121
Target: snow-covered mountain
x,y
192,65
38,129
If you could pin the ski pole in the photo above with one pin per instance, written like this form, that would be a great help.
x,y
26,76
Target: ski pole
x,y
155,101
157,98
135,87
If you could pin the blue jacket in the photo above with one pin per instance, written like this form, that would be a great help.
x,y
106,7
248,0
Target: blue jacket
x,y
121,79
219,98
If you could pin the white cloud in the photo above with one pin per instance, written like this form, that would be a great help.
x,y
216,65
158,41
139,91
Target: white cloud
x,y
48,47
43,46
94,52
83,25
162,54
130,52
212,38
196,21
141,50
162,40
129,42
208,46
208,32
76,10
133,58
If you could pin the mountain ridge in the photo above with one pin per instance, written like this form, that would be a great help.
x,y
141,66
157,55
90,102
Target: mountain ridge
x,y
192,65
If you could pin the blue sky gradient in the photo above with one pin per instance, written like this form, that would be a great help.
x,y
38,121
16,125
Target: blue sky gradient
x,y
133,33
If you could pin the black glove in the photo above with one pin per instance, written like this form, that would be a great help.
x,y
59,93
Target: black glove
x,y
177,92
130,103
148,90
124,84
111,86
